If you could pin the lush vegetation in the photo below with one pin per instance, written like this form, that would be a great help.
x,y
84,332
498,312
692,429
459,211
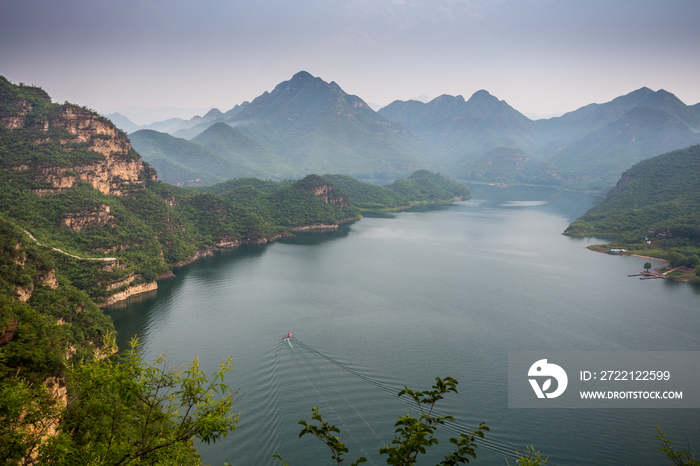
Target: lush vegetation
x,y
155,225
290,203
655,208
122,410
423,186
368,196
37,350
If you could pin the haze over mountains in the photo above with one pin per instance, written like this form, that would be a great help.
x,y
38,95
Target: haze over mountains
x,y
306,125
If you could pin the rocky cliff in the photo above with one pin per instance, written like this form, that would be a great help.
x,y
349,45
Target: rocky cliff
x,y
108,162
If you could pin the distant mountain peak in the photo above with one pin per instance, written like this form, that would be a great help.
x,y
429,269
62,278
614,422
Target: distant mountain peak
x,y
483,96
302,76
213,114
482,93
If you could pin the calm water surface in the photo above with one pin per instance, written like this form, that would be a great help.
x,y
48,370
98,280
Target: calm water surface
x,y
399,299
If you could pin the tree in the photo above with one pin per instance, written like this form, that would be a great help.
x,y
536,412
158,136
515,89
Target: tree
x,y
26,415
123,411
533,458
413,435
647,266
675,259
677,457
692,261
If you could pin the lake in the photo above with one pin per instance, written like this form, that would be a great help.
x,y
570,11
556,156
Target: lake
x,y
401,298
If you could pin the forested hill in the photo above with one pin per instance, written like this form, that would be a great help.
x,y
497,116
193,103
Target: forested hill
x,y
655,205
421,186
71,179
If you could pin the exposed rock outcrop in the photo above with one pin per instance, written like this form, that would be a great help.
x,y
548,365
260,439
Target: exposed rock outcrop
x,y
99,217
117,172
315,226
17,120
120,283
131,291
326,192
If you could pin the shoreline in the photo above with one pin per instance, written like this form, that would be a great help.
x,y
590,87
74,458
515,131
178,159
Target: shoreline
x,y
649,257
686,278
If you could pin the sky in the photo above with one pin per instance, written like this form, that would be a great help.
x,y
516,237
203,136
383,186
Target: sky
x,y
150,59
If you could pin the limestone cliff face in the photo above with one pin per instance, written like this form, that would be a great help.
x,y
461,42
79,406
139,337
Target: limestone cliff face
x,y
325,192
17,120
47,279
131,291
319,187
113,176
119,170
101,217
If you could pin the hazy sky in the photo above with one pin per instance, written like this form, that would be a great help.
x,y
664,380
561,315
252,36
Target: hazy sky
x,y
540,56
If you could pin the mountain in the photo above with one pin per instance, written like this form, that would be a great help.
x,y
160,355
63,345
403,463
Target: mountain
x,y
164,126
181,162
190,128
306,125
245,152
661,194
598,158
126,125
122,122
316,127
595,116
463,130
587,148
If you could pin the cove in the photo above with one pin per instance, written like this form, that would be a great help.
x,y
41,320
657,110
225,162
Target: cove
x,y
398,299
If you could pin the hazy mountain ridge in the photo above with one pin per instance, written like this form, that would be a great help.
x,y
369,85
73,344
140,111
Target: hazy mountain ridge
x,y
306,125
588,147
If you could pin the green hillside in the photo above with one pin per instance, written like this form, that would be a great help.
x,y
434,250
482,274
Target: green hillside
x,y
36,297
179,161
310,201
368,196
655,207
243,151
654,194
424,186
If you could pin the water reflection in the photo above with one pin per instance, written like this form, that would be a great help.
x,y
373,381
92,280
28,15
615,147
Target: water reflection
x,y
571,205
314,237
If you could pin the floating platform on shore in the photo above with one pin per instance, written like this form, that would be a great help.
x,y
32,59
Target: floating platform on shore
x,y
648,275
